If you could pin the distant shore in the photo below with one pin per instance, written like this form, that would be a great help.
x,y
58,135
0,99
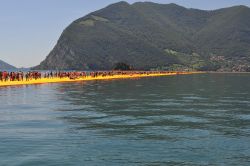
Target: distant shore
x,y
227,72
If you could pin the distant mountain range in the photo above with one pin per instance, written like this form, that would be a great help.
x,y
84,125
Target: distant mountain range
x,y
6,66
147,35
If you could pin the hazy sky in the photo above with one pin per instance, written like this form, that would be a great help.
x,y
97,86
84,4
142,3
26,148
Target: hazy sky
x,y
29,29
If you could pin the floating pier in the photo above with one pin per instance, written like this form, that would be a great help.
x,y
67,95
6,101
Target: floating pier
x,y
88,78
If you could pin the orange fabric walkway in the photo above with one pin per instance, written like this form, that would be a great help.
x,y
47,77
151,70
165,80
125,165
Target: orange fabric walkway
x,y
88,78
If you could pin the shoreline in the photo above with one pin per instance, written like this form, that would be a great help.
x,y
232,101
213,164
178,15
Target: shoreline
x,y
89,78
227,72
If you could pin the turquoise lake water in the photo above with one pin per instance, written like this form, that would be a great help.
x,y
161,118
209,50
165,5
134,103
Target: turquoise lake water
x,y
201,119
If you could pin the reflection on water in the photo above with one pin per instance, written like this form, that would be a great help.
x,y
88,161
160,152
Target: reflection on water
x,y
177,120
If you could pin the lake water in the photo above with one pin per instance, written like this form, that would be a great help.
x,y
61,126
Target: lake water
x,y
201,119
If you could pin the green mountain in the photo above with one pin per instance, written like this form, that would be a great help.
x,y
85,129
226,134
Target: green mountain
x,y
6,66
147,35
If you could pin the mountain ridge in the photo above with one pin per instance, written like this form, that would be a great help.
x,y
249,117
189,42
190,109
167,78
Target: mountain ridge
x,y
145,35
6,66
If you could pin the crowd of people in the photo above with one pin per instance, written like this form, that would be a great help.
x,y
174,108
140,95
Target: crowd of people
x,y
19,76
26,76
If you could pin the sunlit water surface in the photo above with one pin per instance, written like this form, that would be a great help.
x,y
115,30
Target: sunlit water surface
x,y
176,120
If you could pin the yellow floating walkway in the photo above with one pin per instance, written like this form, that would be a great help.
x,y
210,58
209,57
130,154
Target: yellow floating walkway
x,y
88,78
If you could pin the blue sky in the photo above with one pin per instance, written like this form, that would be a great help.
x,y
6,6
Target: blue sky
x,y
30,28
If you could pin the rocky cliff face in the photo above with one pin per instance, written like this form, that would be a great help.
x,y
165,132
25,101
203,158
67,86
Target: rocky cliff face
x,y
146,35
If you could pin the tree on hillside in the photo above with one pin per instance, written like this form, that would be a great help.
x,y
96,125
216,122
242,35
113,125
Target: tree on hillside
x,y
122,66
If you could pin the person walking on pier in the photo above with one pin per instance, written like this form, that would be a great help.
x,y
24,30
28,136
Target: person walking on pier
x,y
1,76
